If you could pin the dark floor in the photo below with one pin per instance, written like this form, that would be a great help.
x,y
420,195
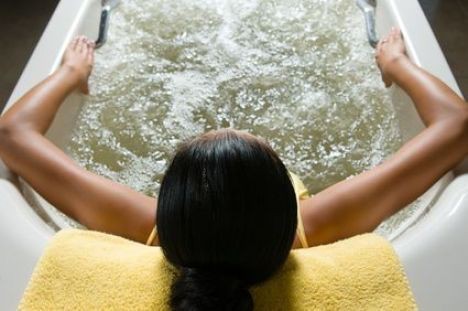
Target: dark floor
x,y
23,21
449,21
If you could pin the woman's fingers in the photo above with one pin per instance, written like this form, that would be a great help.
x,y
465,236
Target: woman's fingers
x,y
82,44
90,55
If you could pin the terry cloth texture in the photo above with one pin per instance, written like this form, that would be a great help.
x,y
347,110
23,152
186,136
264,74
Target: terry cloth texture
x,y
87,270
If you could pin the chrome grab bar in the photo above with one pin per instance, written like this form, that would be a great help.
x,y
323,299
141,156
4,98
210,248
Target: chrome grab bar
x,y
368,9
107,7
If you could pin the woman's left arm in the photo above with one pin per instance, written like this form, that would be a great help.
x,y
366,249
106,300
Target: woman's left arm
x,y
361,203
94,201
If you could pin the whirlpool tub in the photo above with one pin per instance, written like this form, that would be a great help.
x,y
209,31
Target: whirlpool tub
x,y
432,244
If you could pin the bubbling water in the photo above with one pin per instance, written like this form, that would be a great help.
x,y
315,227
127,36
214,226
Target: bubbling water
x,y
298,73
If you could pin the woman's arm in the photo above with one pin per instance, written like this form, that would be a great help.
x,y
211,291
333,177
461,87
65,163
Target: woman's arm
x,y
96,202
361,203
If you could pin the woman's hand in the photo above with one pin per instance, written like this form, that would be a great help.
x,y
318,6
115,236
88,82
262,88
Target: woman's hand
x,y
389,50
79,59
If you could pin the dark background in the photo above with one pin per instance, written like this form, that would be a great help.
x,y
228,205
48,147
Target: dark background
x,y
23,21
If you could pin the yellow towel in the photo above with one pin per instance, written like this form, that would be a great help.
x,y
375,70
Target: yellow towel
x,y
86,270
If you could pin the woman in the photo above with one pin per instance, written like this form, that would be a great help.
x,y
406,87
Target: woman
x,y
227,213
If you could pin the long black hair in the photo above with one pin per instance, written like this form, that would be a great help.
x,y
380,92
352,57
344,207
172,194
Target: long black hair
x,y
226,218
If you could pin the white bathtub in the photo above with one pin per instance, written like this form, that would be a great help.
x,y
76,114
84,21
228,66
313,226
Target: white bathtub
x,y
433,250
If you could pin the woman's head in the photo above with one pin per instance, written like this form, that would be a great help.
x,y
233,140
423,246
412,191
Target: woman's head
x,y
226,217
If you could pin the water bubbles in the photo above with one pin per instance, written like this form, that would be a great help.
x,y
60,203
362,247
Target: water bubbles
x,y
299,74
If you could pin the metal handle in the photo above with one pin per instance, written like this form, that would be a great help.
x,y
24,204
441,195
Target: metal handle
x,y
103,27
367,8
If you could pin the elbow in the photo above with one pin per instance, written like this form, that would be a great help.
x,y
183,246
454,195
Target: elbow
x,y
8,133
459,124
5,133
454,129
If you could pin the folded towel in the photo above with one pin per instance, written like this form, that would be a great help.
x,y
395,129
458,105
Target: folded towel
x,y
86,270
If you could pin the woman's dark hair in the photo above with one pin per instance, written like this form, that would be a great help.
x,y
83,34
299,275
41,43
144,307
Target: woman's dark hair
x,y
226,218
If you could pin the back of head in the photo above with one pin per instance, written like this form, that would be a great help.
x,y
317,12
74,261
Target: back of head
x,y
226,217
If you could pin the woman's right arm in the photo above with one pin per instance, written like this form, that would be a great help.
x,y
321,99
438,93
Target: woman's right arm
x,y
360,204
98,203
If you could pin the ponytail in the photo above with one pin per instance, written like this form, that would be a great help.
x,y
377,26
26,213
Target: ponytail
x,y
203,290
